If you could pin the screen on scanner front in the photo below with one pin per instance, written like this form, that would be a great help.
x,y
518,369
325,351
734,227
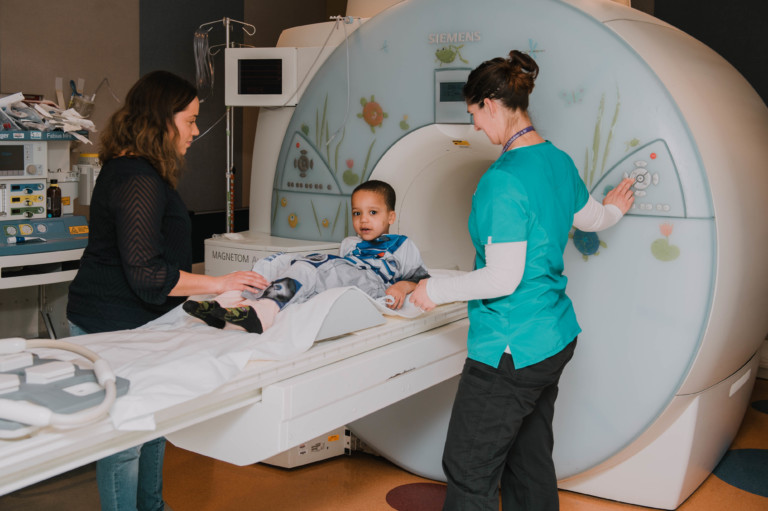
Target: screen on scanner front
x,y
451,92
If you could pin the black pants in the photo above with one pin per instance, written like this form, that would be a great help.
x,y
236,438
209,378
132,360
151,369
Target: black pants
x,y
500,433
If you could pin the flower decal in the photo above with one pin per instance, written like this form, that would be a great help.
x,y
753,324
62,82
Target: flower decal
x,y
293,220
404,124
350,176
662,249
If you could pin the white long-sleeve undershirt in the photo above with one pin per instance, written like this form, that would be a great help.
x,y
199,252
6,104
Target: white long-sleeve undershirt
x,y
595,217
505,262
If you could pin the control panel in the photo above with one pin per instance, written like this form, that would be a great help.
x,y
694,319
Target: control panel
x,y
305,169
19,237
657,184
309,203
23,159
22,199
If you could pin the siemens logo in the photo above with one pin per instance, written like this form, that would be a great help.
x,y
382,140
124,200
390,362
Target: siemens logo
x,y
454,37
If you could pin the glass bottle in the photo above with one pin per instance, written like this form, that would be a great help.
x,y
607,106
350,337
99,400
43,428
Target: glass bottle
x,y
53,199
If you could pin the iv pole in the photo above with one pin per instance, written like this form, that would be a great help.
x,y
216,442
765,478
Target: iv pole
x,y
230,181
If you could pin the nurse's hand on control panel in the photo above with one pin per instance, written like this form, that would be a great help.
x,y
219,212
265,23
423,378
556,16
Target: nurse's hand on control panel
x,y
622,196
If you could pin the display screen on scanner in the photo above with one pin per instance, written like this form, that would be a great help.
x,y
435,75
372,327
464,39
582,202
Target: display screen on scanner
x,y
260,76
451,92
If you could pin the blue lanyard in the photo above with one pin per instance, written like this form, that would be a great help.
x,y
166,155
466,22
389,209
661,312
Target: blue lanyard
x,y
515,137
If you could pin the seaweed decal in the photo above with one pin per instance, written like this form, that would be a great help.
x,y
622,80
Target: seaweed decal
x,y
592,159
589,243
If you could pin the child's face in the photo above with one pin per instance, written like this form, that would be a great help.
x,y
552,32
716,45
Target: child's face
x,y
370,216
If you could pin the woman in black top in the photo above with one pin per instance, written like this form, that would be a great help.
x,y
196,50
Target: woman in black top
x,y
138,260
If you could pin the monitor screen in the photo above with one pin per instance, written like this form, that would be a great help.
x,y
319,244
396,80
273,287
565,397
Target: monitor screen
x,y
11,157
260,76
451,92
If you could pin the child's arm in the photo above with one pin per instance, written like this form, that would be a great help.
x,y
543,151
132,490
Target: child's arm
x,y
398,291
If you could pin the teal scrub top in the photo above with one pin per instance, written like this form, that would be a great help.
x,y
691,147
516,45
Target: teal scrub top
x,y
529,194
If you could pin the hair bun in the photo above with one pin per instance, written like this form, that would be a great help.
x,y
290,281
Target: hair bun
x,y
508,79
523,71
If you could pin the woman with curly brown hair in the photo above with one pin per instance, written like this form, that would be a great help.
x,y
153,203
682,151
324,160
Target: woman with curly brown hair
x,y
137,265
522,326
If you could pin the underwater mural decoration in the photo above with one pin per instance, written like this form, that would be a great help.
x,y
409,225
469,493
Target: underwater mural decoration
x,y
350,177
587,243
595,160
593,155
447,54
372,113
661,248
533,48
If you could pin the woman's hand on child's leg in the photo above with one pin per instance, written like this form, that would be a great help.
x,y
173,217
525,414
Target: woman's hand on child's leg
x,y
241,281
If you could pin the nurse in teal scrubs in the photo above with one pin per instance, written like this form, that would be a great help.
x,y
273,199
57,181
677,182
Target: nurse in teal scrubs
x,y
523,327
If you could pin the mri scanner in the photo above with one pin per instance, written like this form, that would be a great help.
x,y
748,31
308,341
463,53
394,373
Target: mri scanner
x,y
672,300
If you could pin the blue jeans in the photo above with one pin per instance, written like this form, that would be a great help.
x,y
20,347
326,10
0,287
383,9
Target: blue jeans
x,y
132,479
75,330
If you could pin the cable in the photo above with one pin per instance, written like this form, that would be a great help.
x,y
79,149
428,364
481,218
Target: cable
x,y
210,128
344,20
105,81
346,113
339,19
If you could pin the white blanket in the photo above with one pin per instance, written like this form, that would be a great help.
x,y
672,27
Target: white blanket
x,y
177,357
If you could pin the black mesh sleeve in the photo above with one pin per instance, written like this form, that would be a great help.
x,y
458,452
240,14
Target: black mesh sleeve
x,y
138,203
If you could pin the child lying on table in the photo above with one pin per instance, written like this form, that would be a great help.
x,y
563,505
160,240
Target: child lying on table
x,y
379,263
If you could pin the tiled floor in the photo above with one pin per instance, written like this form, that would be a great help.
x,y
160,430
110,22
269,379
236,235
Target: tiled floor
x,y
360,482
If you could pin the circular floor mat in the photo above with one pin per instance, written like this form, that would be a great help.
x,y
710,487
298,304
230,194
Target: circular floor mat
x,y
745,469
761,406
417,497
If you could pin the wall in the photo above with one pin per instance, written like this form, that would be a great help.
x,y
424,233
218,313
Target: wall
x,y
40,40
166,35
735,30
122,40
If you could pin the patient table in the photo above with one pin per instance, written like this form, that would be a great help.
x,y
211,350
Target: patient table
x,y
270,406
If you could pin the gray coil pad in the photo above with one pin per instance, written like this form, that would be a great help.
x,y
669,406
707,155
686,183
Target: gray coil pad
x,y
67,395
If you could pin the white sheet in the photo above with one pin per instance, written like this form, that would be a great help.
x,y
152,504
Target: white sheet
x,y
177,357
